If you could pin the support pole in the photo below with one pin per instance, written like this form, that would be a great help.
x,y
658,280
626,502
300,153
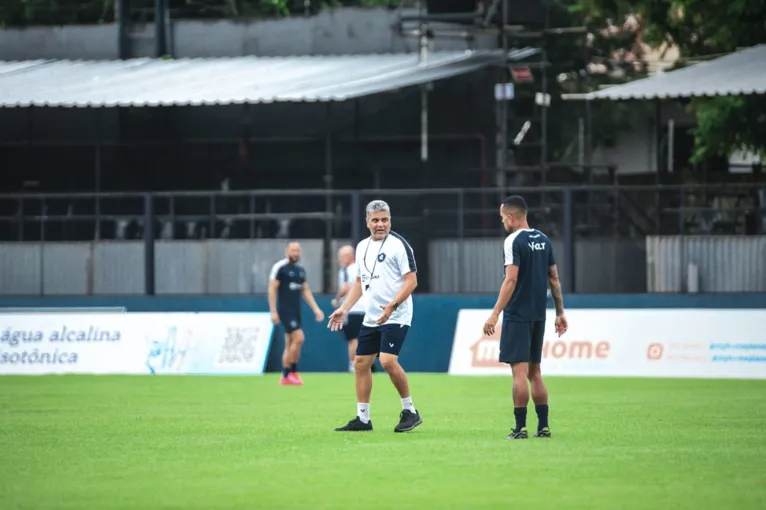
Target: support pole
x,y
501,111
123,28
461,237
424,122
160,34
423,62
356,217
569,243
328,181
148,245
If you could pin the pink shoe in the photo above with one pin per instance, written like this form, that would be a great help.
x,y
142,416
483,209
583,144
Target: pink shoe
x,y
286,381
295,378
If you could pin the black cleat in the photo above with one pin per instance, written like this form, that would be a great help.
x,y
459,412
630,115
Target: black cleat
x,y
543,432
355,425
408,421
518,434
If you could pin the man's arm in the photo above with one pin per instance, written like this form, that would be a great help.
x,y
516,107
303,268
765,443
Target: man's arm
x,y
308,296
353,295
558,297
273,286
410,284
409,270
342,291
507,288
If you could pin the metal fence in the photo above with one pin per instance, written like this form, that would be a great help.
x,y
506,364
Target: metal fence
x,y
605,238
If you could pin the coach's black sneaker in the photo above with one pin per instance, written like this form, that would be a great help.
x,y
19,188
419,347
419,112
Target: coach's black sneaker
x,y
408,421
518,434
543,432
355,425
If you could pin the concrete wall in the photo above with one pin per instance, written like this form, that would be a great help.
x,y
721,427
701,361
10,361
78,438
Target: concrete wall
x,y
339,31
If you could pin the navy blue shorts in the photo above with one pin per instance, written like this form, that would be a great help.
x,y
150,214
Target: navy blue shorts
x,y
521,342
353,325
387,338
290,323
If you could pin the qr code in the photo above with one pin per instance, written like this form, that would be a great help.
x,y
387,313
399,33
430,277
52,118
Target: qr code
x,y
239,346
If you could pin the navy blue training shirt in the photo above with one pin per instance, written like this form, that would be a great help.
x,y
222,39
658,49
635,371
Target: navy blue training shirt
x,y
291,278
530,250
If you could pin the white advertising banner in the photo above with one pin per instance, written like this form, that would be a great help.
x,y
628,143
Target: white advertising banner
x,y
134,343
707,343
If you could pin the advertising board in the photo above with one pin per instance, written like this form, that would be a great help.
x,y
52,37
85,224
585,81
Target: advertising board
x,y
710,343
134,343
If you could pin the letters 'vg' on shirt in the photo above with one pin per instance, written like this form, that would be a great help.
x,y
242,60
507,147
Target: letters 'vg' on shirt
x,y
382,266
291,278
531,250
347,275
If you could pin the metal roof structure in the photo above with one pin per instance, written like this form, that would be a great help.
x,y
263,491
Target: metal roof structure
x,y
220,81
739,73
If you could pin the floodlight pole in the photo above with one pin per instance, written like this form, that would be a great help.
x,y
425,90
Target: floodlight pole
x,y
423,61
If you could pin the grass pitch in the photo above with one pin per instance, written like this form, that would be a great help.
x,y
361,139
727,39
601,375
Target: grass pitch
x,y
79,442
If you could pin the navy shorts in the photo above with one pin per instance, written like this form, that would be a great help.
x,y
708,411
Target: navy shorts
x,y
353,325
521,342
290,323
387,338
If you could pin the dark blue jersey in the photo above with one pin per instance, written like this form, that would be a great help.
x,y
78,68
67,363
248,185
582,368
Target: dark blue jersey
x,y
291,278
530,250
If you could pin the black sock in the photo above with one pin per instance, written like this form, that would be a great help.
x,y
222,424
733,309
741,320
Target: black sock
x,y
521,417
285,372
542,416
294,367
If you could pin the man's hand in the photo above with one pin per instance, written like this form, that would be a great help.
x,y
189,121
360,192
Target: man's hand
x,y
319,315
561,324
489,326
275,318
337,318
387,311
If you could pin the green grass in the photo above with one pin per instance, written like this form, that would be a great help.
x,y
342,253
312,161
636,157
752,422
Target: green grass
x,y
80,442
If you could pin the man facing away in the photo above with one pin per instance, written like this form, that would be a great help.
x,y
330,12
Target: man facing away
x,y
529,267
346,278
287,283
386,277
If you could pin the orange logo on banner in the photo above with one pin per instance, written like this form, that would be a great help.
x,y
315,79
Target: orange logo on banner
x,y
486,350
654,351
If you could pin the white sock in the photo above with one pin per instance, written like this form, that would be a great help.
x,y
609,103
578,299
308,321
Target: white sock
x,y
363,412
407,404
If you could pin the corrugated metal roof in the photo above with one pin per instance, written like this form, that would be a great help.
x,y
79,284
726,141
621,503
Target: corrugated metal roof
x,y
215,81
740,73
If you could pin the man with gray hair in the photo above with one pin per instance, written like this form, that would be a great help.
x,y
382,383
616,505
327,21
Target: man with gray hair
x,y
386,277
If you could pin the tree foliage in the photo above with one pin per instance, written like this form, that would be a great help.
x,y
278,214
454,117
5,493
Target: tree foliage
x,y
606,53
706,29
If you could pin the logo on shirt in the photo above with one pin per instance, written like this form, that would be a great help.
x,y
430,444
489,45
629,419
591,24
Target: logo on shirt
x,y
381,257
536,246
295,286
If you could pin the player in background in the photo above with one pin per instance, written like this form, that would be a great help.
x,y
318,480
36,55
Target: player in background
x,y
386,277
287,284
355,316
529,267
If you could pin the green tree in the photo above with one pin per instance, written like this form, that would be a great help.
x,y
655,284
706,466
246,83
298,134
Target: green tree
x,y
704,29
606,53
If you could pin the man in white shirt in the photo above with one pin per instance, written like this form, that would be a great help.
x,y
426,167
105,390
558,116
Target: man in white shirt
x,y
346,278
386,277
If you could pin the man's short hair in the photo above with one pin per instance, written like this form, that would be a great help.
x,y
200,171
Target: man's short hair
x,y
516,202
377,206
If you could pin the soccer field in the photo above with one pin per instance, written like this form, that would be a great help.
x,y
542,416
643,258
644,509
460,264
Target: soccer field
x,y
112,442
